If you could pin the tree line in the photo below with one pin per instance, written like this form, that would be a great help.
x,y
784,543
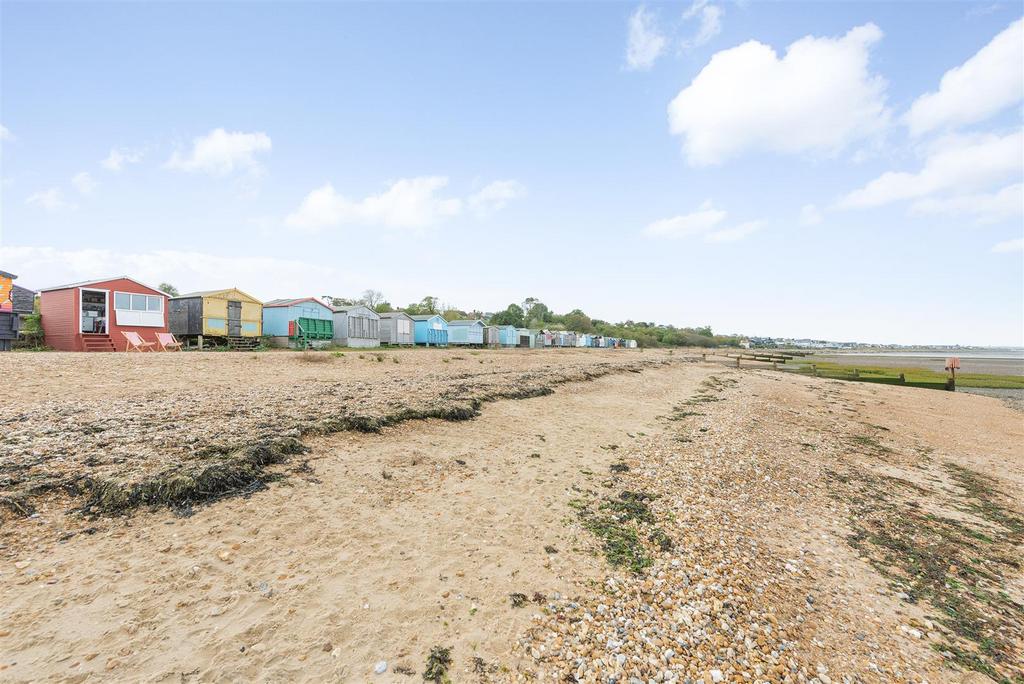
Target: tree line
x,y
533,313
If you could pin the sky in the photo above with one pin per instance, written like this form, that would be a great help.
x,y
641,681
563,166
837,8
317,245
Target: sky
x,y
844,171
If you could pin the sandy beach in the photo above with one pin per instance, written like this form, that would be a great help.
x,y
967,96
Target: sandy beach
x,y
642,516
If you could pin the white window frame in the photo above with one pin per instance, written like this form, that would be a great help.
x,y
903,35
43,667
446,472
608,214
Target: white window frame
x,y
138,294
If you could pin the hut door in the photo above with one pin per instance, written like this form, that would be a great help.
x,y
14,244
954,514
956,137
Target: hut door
x,y
234,319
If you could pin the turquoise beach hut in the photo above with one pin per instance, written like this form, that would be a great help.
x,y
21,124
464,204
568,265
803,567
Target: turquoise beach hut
x,y
431,330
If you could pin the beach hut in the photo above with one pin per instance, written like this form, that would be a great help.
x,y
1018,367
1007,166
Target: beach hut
x,y
508,336
583,340
631,344
466,333
92,315
302,322
396,327
430,330
356,326
15,302
526,338
491,336
221,315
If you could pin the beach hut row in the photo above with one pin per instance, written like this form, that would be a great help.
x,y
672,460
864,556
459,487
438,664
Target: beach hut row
x,y
106,315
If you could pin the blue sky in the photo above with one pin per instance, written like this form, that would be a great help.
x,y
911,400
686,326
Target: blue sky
x,y
844,171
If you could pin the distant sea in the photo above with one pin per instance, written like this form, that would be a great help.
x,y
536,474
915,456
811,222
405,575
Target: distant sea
x,y
991,360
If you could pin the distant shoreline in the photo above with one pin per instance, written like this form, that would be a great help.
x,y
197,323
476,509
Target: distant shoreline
x,y
989,362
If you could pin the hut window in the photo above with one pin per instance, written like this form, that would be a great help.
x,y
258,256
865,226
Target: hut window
x,y
124,301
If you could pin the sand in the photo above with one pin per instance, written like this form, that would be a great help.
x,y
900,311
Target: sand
x,y
377,547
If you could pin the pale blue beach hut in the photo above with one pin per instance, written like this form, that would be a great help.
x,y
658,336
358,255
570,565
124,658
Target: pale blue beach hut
x,y
431,330
466,333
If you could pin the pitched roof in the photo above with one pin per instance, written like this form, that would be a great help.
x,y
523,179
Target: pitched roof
x,y
210,293
466,321
103,280
353,307
5,274
425,317
22,298
292,302
393,314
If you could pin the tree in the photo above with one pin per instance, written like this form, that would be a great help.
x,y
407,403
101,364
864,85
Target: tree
x,y
339,301
169,289
578,321
427,305
372,298
513,315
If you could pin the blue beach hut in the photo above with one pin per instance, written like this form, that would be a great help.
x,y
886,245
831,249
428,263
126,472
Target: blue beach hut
x,y
430,330
466,333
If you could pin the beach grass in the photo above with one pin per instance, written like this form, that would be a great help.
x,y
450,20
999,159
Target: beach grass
x,y
914,377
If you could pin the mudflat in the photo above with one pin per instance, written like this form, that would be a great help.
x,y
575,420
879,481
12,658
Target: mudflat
x,y
564,516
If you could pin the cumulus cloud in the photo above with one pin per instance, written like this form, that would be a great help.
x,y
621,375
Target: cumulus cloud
x,y
185,269
695,223
1015,245
706,221
710,17
50,200
989,207
810,215
984,85
955,166
407,203
733,234
495,196
220,153
5,133
645,42
116,160
818,97
84,183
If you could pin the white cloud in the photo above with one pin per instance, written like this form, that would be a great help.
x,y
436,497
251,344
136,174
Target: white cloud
x,y
5,133
701,221
51,200
84,183
810,215
220,153
735,233
984,207
955,165
710,22
819,97
987,83
407,203
707,221
495,196
116,160
185,269
1016,245
646,42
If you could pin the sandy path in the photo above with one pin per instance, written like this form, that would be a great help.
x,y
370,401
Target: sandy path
x,y
320,578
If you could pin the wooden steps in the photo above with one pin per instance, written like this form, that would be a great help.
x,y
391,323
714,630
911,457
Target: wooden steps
x,y
97,343
243,343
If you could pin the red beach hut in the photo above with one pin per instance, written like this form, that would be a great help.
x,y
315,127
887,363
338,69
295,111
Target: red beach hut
x,y
90,316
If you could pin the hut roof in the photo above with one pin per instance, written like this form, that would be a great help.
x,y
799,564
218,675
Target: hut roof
x,y
103,280
465,321
425,317
292,302
211,293
394,314
5,274
22,298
